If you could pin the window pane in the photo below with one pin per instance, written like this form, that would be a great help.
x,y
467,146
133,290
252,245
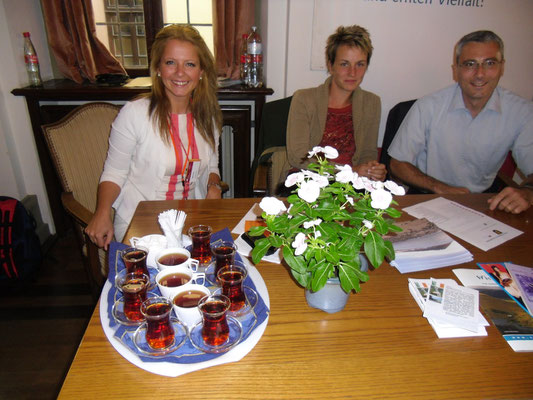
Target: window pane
x,y
207,34
201,11
175,11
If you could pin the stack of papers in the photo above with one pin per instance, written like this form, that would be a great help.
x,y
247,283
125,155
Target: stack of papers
x,y
422,246
451,310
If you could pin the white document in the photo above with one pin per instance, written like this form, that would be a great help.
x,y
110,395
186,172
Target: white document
x,y
470,225
419,289
452,304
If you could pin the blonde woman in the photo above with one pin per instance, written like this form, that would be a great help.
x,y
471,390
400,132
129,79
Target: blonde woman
x,y
163,145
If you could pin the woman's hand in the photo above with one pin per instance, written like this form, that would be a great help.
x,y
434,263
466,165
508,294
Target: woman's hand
x,y
213,192
213,187
100,229
372,170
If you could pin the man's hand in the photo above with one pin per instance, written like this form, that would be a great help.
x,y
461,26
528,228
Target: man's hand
x,y
372,170
512,200
442,188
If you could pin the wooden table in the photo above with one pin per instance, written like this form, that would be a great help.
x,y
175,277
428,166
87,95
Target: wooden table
x,y
379,347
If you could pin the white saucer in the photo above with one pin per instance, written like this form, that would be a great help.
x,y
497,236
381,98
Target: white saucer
x,y
180,335
251,301
118,312
235,336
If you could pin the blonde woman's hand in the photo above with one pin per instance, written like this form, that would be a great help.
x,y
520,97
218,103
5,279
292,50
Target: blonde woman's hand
x,y
100,230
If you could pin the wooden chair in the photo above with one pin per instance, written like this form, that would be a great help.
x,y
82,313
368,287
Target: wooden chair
x,y
78,146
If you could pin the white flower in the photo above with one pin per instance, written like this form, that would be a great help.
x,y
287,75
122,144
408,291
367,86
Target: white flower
x,y
331,152
309,191
317,234
309,224
358,183
272,206
368,224
368,184
350,200
314,151
294,178
321,180
377,185
395,189
381,199
345,174
328,151
299,244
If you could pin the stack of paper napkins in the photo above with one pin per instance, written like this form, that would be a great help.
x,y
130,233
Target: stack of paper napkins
x,y
451,310
422,245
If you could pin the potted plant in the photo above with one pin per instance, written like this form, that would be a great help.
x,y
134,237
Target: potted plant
x,y
334,217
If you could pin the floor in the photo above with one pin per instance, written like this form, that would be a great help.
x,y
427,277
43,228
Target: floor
x,y
42,323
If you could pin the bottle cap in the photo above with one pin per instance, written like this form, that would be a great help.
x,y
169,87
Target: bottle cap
x,y
26,34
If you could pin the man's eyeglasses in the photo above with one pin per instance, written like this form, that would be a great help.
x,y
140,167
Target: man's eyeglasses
x,y
472,65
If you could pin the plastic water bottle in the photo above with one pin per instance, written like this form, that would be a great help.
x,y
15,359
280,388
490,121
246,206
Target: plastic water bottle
x,y
32,62
244,61
255,54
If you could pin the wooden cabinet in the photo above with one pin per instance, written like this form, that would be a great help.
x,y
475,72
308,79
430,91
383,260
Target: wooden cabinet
x,y
241,110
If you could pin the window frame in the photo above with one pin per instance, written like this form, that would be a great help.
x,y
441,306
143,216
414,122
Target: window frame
x,y
153,22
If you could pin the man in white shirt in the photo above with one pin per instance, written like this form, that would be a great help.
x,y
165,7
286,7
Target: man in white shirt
x,y
455,140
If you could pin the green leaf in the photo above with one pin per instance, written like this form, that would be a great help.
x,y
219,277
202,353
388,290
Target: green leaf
x,y
328,230
296,263
349,279
260,249
257,230
394,213
275,240
389,250
374,248
394,228
320,277
332,256
381,226
302,279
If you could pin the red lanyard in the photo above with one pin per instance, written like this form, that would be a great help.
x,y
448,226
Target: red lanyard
x,y
183,164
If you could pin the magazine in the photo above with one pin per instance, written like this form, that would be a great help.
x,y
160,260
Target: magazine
x,y
523,277
498,272
514,324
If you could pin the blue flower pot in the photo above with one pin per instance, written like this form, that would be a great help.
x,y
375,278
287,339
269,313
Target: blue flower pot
x,y
332,298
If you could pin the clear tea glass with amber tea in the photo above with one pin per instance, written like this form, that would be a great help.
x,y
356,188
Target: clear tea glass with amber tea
x,y
231,278
135,260
159,330
224,253
134,288
201,241
215,328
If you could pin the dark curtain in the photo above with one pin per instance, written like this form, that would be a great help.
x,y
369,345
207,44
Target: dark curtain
x,y
231,19
72,36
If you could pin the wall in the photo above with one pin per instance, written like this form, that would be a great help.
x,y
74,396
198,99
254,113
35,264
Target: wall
x,y
21,172
413,43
